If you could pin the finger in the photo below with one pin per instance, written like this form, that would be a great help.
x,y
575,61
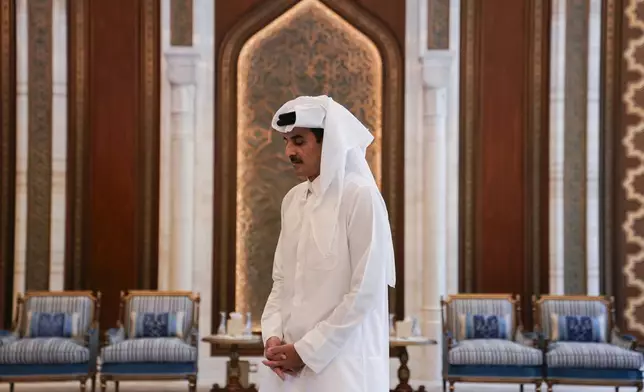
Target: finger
x,y
277,350
276,357
273,364
280,373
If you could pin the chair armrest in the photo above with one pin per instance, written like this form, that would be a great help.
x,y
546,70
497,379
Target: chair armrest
x,y
621,340
193,337
448,340
114,336
7,337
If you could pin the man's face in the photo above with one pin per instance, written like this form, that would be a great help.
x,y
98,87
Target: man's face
x,y
304,152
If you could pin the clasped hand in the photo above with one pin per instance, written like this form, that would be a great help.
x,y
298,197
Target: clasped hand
x,y
282,358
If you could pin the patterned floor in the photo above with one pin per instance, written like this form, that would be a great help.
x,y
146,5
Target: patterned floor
x,y
182,387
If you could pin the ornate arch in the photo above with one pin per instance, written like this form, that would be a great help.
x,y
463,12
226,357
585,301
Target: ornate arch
x,y
227,122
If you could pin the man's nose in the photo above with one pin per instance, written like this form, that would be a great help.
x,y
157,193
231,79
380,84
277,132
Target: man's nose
x,y
289,150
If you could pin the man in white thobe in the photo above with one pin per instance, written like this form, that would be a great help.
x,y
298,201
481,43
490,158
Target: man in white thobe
x,y
325,324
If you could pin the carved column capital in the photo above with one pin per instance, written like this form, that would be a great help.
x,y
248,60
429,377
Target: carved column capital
x,y
182,65
437,68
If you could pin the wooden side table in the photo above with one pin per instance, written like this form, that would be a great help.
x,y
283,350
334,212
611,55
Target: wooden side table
x,y
233,344
400,346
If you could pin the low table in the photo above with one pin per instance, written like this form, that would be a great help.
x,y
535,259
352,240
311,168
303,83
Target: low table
x,y
400,347
233,343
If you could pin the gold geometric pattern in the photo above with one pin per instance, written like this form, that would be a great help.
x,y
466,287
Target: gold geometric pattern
x,y
634,148
39,152
308,50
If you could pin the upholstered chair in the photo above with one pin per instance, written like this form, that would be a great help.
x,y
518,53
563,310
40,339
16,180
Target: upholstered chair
x,y
483,341
581,344
54,338
156,338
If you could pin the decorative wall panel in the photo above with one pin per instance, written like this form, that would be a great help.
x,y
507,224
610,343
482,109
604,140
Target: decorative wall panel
x,y
7,157
294,48
39,153
181,22
77,157
504,147
311,47
575,171
438,24
611,236
632,147
121,146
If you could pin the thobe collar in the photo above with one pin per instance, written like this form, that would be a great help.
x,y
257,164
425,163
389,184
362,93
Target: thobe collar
x,y
313,187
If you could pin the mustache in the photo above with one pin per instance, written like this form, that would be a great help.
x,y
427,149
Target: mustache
x,y
295,159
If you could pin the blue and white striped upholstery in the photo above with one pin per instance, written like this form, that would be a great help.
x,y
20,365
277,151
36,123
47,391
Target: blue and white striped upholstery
x,y
494,352
458,306
592,355
44,351
83,305
592,308
160,304
150,350
8,339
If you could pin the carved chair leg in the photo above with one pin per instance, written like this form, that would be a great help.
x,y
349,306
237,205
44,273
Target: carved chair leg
x,y
640,386
537,387
192,384
83,385
94,383
549,387
11,387
103,385
116,386
452,388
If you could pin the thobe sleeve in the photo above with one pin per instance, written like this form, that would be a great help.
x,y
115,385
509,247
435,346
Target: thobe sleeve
x,y
366,234
272,317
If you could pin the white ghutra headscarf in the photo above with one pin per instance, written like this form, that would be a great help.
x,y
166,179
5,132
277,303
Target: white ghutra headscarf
x,y
343,151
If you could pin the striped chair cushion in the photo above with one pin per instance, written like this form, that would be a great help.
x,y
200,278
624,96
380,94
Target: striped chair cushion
x,y
458,307
494,352
160,304
83,305
592,355
149,350
43,351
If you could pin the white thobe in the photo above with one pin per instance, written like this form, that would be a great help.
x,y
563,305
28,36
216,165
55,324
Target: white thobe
x,y
333,308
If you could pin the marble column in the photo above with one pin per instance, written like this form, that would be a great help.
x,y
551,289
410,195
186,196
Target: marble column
x,y
431,157
59,147
181,72
22,120
415,221
436,78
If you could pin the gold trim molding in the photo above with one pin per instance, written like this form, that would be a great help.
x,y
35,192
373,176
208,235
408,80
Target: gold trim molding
x,y
77,142
7,155
150,142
